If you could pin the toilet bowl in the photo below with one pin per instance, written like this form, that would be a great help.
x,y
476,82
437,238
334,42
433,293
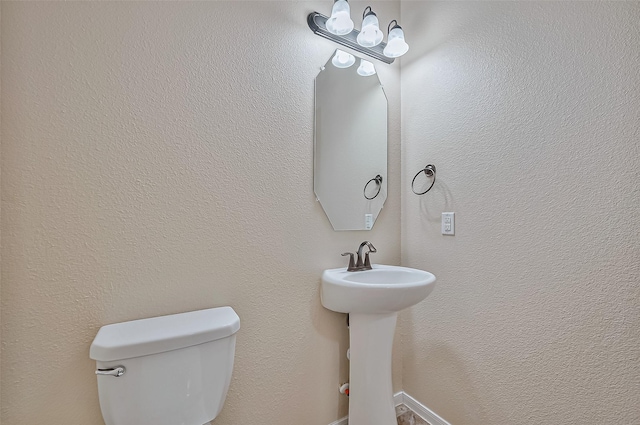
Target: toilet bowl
x,y
167,370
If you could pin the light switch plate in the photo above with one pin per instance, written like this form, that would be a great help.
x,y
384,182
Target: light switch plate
x,y
448,223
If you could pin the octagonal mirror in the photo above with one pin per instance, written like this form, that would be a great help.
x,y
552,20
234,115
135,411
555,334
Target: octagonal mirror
x,y
350,146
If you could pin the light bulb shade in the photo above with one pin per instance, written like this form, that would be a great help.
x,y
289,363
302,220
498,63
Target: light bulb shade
x,y
370,34
340,22
343,59
366,68
396,46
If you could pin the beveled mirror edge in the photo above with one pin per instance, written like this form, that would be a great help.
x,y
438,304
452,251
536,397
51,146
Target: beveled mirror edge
x,y
383,196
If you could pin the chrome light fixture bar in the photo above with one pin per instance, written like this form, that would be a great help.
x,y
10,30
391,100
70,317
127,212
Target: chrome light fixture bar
x,y
318,24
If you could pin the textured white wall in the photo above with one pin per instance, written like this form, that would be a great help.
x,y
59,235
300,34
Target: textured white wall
x,y
531,112
157,158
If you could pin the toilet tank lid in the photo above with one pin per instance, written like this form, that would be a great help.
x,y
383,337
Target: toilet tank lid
x,y
164,333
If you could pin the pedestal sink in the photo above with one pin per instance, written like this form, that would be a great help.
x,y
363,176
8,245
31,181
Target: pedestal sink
x,y
373,299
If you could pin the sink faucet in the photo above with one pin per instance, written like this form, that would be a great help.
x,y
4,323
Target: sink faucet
x,y
360,264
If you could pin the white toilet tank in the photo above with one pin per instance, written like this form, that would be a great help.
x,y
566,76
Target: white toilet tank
x,y
177,368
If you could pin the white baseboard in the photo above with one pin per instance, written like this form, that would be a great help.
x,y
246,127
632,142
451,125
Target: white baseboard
x,y
419,409
398,398
343,421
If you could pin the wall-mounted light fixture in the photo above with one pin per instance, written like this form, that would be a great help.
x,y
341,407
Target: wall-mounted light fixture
x,y
370,34
339,28
340,22
396,46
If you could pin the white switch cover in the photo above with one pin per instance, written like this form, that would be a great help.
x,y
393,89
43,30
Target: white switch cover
x,y
448,223
368,221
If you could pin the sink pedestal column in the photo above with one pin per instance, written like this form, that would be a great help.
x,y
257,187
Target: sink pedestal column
x,y
370,387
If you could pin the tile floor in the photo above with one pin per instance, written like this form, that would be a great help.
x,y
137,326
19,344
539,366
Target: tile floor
x,y
407,417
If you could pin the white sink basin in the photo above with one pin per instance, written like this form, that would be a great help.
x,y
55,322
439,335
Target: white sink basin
x,y
373,299
384,289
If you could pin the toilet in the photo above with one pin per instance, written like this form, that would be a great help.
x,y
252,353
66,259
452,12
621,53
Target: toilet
x,y
167,370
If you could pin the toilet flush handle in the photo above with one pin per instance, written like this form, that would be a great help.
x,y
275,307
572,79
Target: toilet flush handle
x,y
115,372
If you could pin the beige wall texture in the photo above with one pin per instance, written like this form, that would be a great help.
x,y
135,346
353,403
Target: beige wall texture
x,y
158,158
0,213
531,112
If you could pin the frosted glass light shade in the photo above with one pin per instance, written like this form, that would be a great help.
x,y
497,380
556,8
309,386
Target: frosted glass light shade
x,y
366,68
343,59
340,22
370,34
396,46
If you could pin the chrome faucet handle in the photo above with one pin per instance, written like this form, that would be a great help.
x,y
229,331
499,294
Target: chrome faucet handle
x,y
352,264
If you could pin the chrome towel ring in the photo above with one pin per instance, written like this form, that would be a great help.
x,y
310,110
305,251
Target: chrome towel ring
x,y
429,171
378,180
